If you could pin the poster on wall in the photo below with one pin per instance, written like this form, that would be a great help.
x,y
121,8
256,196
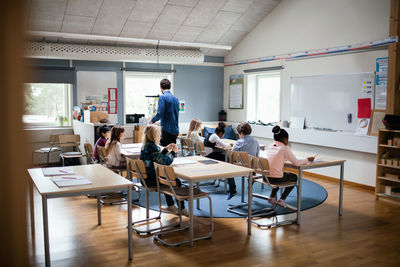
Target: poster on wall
x,y
381,83
112,100
236,83
182,106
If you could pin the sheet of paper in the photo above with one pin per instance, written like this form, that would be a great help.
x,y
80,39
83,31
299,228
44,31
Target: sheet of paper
x,y
380,97
362,126
364,108
57,171
182,161
235,96
297,122
70,180
367,87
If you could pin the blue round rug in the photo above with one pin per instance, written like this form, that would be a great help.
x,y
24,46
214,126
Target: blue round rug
x,y
313,195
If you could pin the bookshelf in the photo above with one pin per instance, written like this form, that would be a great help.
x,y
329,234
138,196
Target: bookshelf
x,y
388,165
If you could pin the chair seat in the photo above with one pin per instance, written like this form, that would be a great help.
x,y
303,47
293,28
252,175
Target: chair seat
x,y
72,154
183,192
47,150
261,180
150,188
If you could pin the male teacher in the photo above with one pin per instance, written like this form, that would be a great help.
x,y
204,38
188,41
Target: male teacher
x,y
168,113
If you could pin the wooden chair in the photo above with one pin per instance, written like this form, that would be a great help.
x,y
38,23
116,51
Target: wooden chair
x,y
182,141
110,198
137,170
89,153
53,142
261,168
190,147
166,176
70,141
199,149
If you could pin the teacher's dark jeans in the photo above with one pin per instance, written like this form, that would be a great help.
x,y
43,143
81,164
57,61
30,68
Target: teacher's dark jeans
x,y
167,138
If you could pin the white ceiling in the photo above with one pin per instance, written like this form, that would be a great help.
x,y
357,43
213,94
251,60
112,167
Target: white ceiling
x,y
223,22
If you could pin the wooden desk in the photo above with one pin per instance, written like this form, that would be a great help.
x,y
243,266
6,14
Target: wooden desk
x,y
197,172
103,180
321,163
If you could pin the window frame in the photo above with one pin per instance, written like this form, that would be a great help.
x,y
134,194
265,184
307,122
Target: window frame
x,y
127,74
256,79
68,95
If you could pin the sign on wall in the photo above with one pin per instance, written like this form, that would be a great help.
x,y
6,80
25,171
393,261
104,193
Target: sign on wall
x,y
112,100
236,83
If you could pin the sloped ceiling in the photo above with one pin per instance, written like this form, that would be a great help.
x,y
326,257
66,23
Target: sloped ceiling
x,y
224,22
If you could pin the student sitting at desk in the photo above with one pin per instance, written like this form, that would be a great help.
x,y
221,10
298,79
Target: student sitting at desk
x,y
104,132
277,153
113,147
246,143
151,153
194,129
212,140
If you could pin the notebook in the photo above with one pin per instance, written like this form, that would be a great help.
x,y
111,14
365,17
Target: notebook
x,y
70,180
182,161
57,171
208,161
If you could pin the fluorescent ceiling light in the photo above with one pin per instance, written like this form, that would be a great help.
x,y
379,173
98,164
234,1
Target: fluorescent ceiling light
x,y
64,35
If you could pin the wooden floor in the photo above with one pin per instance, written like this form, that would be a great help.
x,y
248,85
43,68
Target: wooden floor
x,y
368,234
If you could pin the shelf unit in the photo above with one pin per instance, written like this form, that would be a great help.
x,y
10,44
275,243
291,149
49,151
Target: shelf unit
x,y
383,168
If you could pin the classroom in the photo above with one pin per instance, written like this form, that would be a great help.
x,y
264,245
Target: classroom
x,y
203,132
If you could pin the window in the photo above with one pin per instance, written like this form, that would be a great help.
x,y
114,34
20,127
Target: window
x,y
48,104
139,89
263,101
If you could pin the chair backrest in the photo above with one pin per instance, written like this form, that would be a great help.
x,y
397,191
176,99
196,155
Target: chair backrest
x,y
54,139
239,158
89,152
69,140
261,166
199,148
137,168
183,143
102,154
165,175
189,144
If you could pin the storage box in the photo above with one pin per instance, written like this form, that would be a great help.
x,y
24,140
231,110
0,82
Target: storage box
x,y
94,116
138,133
392,175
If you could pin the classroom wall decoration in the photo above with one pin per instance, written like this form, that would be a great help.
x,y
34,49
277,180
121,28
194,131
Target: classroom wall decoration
x,y
182,106
381,83
112,100
236,83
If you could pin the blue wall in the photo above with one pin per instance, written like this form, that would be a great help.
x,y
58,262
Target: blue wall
x,y
201,87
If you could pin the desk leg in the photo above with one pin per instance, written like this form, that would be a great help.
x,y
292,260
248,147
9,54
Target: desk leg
x,y
191,213
130,246
341,189
198,200
45,231
249,204
32,208
98,210
299,184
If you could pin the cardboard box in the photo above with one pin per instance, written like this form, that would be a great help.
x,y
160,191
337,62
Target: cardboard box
x,y
138,134
392,175
94,116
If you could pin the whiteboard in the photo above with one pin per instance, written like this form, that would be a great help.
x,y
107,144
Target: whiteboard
x,y
325,100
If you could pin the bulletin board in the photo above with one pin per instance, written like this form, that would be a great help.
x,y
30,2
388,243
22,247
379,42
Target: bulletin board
x,y
236,84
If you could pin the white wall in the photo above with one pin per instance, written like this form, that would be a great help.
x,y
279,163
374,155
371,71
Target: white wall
x,y
299,25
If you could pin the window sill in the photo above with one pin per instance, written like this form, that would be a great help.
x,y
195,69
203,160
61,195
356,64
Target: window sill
x,y
33,128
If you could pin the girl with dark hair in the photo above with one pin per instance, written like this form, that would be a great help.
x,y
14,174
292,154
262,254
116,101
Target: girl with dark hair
x,y
113,147
215,139
277,153
104,132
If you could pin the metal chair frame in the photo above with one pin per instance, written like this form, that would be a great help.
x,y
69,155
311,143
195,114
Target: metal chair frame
x,y
137,170
70,140
166,176
53,141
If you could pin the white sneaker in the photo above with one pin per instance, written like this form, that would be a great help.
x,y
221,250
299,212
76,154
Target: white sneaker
x,y
185,212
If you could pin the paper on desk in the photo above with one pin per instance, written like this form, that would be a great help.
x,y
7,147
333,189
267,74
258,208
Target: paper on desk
x,y
57,171
70,180
182,161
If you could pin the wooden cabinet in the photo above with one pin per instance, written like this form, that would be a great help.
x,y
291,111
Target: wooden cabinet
x,y
388,164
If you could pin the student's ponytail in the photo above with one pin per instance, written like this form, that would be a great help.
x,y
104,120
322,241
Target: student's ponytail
x,y
279,134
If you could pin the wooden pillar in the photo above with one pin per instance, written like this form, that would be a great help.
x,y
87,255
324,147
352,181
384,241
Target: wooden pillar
x,y
13,156
393,92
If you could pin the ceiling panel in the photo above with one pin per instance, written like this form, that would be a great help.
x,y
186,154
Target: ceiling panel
x,y
47,15
232,37
162,31
147,11
77,24
112,16
237,5
204,12
173,15
187,34
89,8
136,29
218,26
190,3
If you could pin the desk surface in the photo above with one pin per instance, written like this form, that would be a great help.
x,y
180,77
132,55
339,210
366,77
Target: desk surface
x,y
101,178
321,161
231,143
201,171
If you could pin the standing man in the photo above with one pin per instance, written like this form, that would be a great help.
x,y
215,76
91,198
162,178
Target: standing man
x,y
168,113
